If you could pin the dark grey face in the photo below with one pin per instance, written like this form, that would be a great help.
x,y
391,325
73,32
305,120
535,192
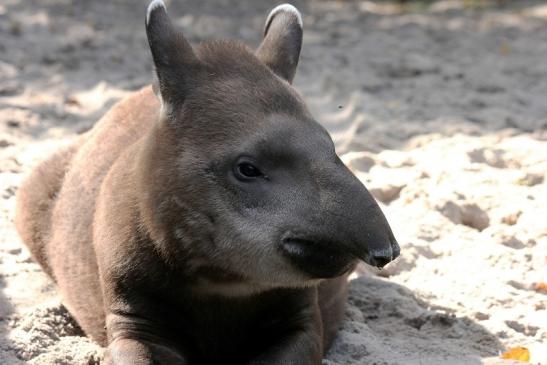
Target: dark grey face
x,y
286,182
287,195
259,194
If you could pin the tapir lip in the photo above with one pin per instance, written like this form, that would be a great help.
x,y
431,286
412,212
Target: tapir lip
x,y
318,258
329,259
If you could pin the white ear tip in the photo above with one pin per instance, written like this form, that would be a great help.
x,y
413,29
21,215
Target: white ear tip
x,y
154,4
286,8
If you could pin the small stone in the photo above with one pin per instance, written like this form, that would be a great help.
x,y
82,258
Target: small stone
x,y
72,101
468,214
452,211
10,88
359,161
506,236
473,216
15,28
13,123
519,327
511,218
386,193
530,179
511,241
15,251
481,316
491,157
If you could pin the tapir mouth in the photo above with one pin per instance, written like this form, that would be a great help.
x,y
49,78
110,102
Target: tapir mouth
x,y
317,258
330,259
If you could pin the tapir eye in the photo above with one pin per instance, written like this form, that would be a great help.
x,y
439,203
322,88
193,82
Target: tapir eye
x,y
246,170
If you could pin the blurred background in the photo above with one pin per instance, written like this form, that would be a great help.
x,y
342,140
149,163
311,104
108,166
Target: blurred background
x,y
439,107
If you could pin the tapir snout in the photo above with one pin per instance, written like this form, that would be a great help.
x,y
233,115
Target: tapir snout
x,y
347,225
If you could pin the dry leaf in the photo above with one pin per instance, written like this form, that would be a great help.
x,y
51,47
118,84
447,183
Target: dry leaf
x,y
541,286
517,353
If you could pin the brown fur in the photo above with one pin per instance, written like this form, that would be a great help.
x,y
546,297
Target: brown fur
x,y
61,193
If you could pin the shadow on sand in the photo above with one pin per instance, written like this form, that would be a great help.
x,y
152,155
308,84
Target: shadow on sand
x,y
386,323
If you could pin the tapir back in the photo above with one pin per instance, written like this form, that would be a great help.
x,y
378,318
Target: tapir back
x,y
60,238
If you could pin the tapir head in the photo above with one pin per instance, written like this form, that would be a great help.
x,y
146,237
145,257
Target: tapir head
x,y
241,183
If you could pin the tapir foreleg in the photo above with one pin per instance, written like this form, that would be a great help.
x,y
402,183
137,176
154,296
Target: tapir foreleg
x,y
138,352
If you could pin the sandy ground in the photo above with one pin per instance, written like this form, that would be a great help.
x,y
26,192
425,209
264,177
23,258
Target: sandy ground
x,y
442,112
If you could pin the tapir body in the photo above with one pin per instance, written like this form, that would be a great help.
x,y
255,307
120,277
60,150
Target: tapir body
x,y
210,221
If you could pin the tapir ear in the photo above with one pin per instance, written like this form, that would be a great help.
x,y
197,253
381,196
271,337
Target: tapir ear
x,y
174,59
282,42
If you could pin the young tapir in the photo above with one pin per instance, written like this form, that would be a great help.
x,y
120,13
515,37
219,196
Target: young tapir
x,y
211,223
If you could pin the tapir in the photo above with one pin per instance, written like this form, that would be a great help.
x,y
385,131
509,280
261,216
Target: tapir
x,y
205,219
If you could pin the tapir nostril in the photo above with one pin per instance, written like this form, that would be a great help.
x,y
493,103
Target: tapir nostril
x,y
380,261
381,258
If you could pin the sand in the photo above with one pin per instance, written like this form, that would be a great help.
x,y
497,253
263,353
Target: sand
x,y
440,110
